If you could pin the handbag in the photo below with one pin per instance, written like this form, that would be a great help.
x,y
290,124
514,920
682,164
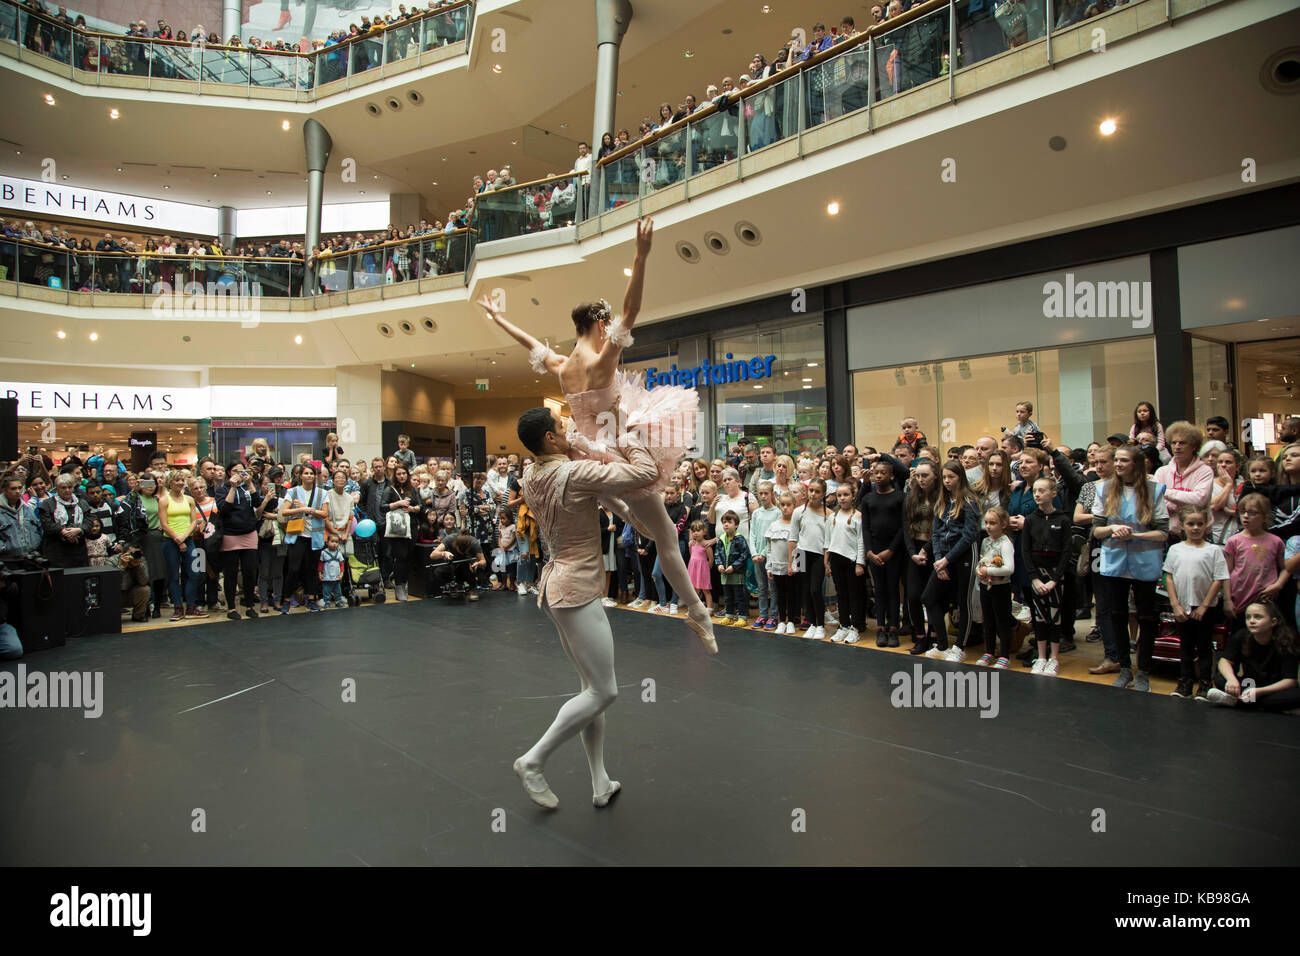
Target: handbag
x,y
398,525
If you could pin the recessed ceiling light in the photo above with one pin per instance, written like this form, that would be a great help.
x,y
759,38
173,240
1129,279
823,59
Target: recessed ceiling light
x,y
412,365
807,386
65,175
375,177
496,67
297,340
94,336
807,380
627,272
514,142
562,126
285,126
61,334
114,114
119,169
49,98
833,208
765,8
812,364
166,187
435,184
362,191
1107,127
214,175
758,386
688,53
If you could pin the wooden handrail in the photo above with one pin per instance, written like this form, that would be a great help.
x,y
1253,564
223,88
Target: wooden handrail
x,y
711,107
238,49
572,174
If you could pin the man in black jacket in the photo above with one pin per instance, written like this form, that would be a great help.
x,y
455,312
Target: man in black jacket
x,y
241,510
373,490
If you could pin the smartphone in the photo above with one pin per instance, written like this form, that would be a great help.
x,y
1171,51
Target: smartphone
x,y
32,451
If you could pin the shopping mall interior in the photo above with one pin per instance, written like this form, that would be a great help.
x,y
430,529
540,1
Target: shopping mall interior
x,y
265,235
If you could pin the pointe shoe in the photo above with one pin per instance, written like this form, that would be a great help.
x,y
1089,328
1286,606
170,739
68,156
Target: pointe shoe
x,y
601,799
699,621
544,797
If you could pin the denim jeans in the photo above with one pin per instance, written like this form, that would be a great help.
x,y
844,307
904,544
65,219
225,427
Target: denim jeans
x,y
333,591
182,581
765,609
10,647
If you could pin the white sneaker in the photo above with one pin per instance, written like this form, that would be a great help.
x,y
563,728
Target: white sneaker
x,y
657,609
956,655
1020,612
838,636
821,633
1220,697
831,618
608,602
852,636
811,633
790,628
672,609
1040,666
639,603
1052,667
522,589
937,654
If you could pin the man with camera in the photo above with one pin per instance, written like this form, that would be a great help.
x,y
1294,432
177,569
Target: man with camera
x,y
458,563
242,508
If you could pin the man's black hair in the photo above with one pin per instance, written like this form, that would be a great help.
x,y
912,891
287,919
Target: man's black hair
x,y
1218,420
532,428
1015,440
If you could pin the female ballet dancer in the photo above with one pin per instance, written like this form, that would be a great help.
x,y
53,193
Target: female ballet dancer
x,y
598,393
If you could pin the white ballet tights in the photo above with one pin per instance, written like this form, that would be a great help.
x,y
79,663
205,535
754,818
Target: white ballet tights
x,y
589,643
650,513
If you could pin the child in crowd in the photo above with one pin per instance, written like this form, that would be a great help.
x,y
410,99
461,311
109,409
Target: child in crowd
x,y
96,544
668,598
805,471
845,557
404,455
1261,471
996,565
333,565
732,559
506,555
776,564
1023,424
759,522
1258,668
1254,558
645,555
699,562
1195,572
1045,549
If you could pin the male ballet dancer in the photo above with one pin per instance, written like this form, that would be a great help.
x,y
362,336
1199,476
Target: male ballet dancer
x,y
562,495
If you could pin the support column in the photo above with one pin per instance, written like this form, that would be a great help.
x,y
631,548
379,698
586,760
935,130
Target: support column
x,y
318,145
360,410
226,227
839,383
612,19
1173,346
232,16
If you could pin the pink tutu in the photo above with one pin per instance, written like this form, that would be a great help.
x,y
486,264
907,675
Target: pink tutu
x,y
666,418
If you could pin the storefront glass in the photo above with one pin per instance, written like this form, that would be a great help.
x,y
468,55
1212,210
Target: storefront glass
x,y
1210,380
1079,394
786,403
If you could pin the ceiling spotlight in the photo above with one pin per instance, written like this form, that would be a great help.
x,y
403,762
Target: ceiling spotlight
x,y
214,175
758,386
514,142
49,98
1107,127
807,380
268,192
362,191
627,272
61,334
285,126
119,169
297,340
812,364
562,126
765,9
65,175
435,184
113,113
807,386
94,336
833,208
166,187
688,53
496,67
375,177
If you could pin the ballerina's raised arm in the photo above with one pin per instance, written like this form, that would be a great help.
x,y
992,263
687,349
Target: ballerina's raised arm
x,y
620,330
540,354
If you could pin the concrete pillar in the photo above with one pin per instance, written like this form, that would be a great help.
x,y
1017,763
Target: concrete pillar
x,y
318,145
231,19
360,410
612,19
226,227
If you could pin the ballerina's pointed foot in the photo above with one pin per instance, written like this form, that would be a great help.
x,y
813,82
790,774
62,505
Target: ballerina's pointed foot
x,y
601,799
700,622
535,786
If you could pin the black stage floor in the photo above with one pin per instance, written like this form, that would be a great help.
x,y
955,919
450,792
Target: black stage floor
x,y
733,754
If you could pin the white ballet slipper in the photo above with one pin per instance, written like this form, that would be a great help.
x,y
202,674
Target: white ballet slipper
x,y
531,779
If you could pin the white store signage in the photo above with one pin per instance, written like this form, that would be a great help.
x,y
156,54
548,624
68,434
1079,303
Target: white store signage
x,y
143,403
37,198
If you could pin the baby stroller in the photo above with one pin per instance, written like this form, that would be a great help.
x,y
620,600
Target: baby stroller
x,y
364,581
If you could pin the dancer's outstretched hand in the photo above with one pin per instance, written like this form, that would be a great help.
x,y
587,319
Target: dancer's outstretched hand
x,y
489,307
645,229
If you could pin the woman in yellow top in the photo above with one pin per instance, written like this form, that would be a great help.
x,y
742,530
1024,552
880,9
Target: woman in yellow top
x,y
177,517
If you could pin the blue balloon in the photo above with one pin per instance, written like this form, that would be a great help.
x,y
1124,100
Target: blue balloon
x,y
365,528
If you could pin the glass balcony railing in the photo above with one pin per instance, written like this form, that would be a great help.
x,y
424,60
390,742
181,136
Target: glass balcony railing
x,y
153,273
198,61
908,51
531,207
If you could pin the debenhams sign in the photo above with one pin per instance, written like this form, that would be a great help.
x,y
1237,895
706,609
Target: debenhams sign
x,y
50,199
106,403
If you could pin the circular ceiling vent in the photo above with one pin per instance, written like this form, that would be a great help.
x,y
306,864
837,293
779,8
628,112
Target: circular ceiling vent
x,y
429,325
406,327
416,97
393,103
716,243
385,330
1281,72
748,233
688,252
374,109
1057,143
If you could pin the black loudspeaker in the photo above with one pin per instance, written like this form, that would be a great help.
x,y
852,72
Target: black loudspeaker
x,y
471,451
8,429
38,614
92,601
